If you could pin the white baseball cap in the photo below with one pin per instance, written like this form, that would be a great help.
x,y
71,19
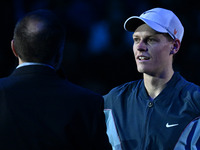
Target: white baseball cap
x,y
159,19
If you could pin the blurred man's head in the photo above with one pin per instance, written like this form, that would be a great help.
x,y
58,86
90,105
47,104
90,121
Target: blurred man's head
x,y
39,37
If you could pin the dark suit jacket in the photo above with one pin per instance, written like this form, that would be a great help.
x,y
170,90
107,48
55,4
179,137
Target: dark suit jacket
x,y
41,111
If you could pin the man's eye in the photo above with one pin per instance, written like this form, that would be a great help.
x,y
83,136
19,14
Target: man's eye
x,y
136,40
150,40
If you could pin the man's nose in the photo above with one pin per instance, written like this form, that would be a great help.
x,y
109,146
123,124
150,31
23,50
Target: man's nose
x,y
141,46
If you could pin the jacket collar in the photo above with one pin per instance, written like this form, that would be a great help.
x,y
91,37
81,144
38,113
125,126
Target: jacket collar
x,y
34,69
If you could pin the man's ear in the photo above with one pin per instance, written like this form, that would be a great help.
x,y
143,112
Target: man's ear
x,y
176,46
13,48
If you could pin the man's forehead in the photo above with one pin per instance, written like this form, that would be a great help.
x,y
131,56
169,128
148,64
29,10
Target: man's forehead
x,y
145,28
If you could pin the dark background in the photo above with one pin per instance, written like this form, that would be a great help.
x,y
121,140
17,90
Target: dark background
x,y
98,53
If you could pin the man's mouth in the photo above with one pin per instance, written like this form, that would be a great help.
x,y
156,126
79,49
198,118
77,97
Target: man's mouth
x,y
143,58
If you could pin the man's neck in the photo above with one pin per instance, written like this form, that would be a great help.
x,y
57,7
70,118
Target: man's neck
x,y
155,84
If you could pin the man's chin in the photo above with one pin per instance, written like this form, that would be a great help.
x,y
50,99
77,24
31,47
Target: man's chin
x,y
141,70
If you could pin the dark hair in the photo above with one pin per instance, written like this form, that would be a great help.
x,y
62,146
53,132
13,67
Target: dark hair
x,y
39,37
169,38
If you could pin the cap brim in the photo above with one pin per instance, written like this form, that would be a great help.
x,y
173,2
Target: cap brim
x,y
133,22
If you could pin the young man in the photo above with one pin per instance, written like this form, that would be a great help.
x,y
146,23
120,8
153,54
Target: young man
x,y
152,112
39,110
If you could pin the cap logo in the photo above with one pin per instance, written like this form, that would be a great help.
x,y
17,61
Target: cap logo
x,y
175,31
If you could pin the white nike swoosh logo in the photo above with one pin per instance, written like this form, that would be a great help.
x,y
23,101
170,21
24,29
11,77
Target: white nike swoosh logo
x,y
171,125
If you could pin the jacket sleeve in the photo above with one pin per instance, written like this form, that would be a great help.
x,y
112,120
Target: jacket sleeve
x,y
190,138
101,142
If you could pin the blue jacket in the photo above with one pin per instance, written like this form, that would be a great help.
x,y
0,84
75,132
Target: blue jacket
x,y
134,122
